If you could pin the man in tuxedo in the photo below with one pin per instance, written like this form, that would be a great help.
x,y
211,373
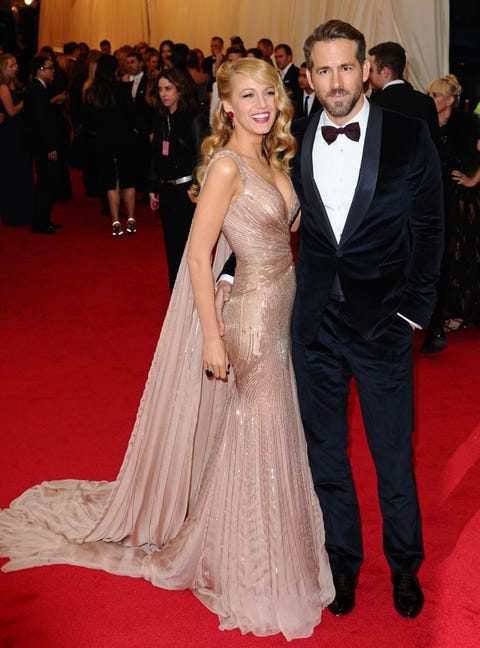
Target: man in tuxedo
x,y
392,91
288,71
371,240
141,116
304,99
213,62
42,136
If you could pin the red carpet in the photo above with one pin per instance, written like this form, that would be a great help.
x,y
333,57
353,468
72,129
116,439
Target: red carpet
x,y
80,314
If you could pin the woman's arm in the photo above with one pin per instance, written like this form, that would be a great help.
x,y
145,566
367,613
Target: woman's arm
x,y
464,180
222,185
6,99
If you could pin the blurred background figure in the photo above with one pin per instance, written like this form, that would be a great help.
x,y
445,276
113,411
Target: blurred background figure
x,y
16,172
459,286
106,113
166,51
180,126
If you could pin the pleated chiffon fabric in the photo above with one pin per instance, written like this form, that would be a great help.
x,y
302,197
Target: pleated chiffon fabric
x,y
215,492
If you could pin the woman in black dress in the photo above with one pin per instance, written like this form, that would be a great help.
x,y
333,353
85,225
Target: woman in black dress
x,y
106,113
459,289
179,129
16,172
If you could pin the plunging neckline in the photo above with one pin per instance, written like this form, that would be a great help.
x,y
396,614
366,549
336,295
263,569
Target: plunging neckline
x,y
269,184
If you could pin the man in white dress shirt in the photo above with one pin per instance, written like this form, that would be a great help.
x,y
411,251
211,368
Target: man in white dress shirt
x,y
371,240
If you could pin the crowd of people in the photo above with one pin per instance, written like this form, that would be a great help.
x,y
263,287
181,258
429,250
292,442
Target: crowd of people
x,y
110,115
219,492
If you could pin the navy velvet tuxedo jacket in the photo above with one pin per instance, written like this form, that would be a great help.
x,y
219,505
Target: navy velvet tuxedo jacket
x,y
388,258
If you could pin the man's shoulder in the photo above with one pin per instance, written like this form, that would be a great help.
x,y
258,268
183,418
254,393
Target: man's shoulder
x,y
393,118
300,126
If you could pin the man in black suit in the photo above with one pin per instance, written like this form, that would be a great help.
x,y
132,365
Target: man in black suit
x,y
42,135
288,71
213,62
371,240
304,99
390,90
141,114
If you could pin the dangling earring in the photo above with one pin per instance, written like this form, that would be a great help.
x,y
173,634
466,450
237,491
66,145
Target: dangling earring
x,y
230,116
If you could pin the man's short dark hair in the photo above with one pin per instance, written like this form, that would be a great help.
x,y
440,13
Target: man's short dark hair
x,y
235,49
333,30
267,42
391,55
286,47
38,62
70,48
136,55
105,43
218,38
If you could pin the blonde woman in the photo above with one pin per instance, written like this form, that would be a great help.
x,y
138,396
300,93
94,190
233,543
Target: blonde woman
x,y
459,288
215,493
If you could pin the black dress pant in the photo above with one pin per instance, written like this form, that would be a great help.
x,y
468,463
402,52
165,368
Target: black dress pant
x,y
45,191
176,211
383,371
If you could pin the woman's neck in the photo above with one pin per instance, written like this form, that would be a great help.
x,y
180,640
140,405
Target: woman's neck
x,y
248,146
444,116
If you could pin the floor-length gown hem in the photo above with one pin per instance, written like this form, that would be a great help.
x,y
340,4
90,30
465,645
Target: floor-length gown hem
x,y
215,493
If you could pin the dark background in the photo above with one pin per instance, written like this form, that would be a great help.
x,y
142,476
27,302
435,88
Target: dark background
x,y
464,39
465,47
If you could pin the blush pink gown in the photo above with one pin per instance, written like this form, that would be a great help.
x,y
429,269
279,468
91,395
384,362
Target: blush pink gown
x,y
215,492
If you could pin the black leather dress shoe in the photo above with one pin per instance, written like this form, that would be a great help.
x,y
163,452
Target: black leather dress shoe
x,y
434,342
407,595
344,600
56,225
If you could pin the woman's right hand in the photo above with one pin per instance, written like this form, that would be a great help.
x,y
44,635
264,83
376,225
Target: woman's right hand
x,y
215,358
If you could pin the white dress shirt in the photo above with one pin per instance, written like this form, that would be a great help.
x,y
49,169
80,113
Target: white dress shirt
x,y
285,70
336,168
136,80
310,98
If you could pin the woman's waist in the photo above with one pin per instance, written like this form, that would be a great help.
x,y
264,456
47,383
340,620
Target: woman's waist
x,y
255,275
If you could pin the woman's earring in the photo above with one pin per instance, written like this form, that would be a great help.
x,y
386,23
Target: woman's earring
x,y
230,116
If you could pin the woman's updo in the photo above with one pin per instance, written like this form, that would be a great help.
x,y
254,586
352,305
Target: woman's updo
x,y
447,85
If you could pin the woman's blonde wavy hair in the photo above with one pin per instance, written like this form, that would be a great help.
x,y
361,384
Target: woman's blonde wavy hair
x,y
447,85
278,145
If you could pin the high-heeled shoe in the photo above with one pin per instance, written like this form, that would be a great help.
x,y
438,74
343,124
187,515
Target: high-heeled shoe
x,y
117,229
131,226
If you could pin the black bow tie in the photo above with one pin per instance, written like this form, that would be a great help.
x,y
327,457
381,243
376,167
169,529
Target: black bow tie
x,y
352,131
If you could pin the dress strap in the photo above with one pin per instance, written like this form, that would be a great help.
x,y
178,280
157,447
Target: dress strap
x,y
242,167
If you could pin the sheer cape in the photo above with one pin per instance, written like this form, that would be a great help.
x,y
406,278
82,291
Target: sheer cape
x,y
215,493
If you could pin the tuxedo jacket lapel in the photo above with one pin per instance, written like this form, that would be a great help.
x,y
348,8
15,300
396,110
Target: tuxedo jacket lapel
x,y
310,190
367,179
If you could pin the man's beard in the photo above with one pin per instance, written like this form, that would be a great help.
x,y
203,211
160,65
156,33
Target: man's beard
x,y
343,104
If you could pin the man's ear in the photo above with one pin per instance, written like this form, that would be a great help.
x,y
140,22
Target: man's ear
x,y
365,70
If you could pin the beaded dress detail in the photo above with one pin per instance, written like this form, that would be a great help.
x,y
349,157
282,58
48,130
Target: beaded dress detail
x,y
215,492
